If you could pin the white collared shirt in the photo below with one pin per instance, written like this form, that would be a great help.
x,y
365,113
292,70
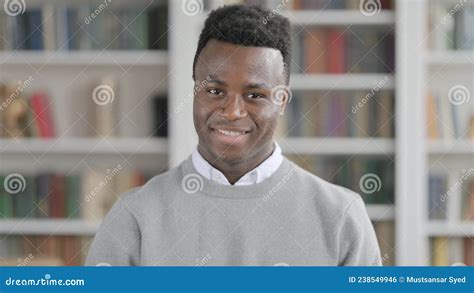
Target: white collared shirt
x,y
257,175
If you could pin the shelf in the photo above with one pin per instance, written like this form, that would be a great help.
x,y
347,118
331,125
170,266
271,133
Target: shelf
x,y
89,58
453,147
337,146
48,227
443,58
451,229
380,212
339,17
114,146
341,81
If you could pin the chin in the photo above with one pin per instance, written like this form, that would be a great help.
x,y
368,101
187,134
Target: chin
x,y
230,156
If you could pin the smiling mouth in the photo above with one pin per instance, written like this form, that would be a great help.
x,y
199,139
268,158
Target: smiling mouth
x,y
232,133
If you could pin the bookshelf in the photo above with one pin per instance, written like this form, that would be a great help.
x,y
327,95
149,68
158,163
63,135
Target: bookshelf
x,y
143,73
448,67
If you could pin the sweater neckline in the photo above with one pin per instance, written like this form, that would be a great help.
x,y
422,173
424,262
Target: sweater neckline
x,y
193,183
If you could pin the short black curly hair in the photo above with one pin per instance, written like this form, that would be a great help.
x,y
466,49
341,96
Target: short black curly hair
x,y
248,25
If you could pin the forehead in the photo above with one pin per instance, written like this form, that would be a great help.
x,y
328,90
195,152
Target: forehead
x,y
228,60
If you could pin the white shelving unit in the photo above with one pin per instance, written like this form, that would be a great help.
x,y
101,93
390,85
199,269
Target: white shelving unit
x,y
338,146
420,71
145,72
340,82
339,18
90,58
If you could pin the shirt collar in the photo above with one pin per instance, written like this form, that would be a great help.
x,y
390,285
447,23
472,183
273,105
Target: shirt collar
x,y
257,175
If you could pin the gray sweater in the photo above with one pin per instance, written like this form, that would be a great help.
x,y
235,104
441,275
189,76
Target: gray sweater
x,y
291,218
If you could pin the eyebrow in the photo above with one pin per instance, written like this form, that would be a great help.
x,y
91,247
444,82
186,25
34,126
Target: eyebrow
x,y
214,78
253,85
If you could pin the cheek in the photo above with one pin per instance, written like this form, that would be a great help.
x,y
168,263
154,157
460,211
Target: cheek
x,y
266,119
201,114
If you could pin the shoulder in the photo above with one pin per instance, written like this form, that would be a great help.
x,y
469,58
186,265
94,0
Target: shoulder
x,y
153,192
324,194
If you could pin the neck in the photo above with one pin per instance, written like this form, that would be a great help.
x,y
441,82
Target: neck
x,y
234,170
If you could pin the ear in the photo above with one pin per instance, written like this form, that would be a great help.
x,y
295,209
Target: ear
x,y
285,99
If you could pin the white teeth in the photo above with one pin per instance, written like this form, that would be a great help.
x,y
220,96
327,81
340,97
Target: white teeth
x,y
230,133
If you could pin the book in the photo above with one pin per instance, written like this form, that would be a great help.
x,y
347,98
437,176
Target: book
x,y
41,107
336,48
160,115
315,51
468,200
385,232
440,251
437,198
71,27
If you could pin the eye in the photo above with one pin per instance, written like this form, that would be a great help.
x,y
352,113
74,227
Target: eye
x,y
215,92
254,96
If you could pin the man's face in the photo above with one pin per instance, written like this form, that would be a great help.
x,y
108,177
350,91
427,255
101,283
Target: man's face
x,y
234,114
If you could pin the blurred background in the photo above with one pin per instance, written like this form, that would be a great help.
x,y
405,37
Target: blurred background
x,y
96,98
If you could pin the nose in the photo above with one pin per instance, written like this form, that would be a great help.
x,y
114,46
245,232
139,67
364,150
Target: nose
x,y
234,107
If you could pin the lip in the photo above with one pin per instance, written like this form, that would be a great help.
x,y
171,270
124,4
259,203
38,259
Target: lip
x,y
227,139
230,129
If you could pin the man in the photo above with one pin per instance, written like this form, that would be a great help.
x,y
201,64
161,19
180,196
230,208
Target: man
x,y
236,200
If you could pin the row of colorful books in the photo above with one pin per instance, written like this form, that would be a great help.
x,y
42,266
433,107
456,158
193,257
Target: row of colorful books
x,y
21,117
31,114
43,250
52,195
449,118
452,251
451,197
452,25
339,114
86,27
372,178
334,50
